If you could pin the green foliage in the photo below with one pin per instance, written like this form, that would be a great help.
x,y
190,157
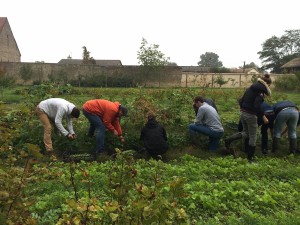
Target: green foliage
x,y
277,51
26,72
58,77
5,81
291,83
207,189
104,80
210,59
220,80
150,56
219,70
86,58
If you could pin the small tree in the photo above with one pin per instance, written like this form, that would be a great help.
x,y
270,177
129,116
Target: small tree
x,y
5,81
26,72
86,59
210,59
151,59
220,80
151,56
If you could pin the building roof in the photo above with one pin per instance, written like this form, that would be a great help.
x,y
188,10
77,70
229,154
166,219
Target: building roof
x,y
98,62
241,70
2,22
195,69
294,63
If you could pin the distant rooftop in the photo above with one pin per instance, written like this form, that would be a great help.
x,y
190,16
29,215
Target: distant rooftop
x,y
98,62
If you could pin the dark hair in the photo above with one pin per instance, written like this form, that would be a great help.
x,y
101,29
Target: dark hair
x,y
267,79
199,99
151,116
124,110
75,112
195,108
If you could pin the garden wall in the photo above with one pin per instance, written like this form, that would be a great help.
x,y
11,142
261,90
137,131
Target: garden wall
x,y
128,76
233,80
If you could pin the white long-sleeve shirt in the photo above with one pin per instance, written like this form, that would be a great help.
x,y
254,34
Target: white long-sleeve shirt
x,y
57,109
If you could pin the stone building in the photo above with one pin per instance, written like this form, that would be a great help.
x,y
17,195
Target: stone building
x,y
292,66
9,51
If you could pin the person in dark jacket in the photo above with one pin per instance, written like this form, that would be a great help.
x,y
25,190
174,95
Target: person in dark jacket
x,y
250,107
286,113
154,137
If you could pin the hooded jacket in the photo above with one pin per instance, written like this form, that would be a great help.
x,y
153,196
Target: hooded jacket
x,y
154,137
254,97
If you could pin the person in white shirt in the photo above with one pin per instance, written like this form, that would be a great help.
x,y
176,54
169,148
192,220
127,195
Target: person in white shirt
x,y
53,110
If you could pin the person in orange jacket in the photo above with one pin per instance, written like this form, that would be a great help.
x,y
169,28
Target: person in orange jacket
x,y
103,114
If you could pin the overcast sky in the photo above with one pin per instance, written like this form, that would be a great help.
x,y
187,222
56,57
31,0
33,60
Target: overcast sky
x,y
50,30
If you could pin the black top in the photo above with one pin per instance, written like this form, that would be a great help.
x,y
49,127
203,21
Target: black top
x,y
155,137
254,97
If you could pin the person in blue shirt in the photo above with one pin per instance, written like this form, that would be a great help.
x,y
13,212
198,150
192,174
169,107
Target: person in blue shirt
x,y
286,113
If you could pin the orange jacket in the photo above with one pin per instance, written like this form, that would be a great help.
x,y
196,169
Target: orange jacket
x,y
107,111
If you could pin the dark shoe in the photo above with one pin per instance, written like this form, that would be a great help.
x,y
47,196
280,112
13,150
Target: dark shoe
x,y
264,151
246,145
293,146
275,144
232,138
251,151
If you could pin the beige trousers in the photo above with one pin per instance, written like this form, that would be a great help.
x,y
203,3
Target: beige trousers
x,y
47,128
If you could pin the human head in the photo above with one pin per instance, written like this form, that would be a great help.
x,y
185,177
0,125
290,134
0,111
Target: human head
x,y
267,79
75,112
151,116
198,101
123,110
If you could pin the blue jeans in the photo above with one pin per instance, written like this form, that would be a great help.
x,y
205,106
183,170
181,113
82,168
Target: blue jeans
x,y
97,127
214,137
289,117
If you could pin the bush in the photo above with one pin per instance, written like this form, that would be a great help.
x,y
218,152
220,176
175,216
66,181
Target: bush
x,y
291,83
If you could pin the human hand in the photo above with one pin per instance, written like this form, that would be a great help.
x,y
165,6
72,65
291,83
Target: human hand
x,y
71,136
115,133
122,139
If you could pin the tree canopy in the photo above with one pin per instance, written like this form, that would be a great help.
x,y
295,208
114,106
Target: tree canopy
x,y
277,51
86,58
210,59
150,55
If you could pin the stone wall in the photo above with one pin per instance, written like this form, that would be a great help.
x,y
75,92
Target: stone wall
x,y
171,76
167,76
233,80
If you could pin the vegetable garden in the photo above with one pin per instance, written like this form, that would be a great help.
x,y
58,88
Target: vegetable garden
x,y
187,186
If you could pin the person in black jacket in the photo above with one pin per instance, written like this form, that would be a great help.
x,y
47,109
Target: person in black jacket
x,y
154,137
250,107
266,123
286,113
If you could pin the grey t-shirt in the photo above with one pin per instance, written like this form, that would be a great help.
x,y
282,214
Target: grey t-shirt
x,y
207,115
